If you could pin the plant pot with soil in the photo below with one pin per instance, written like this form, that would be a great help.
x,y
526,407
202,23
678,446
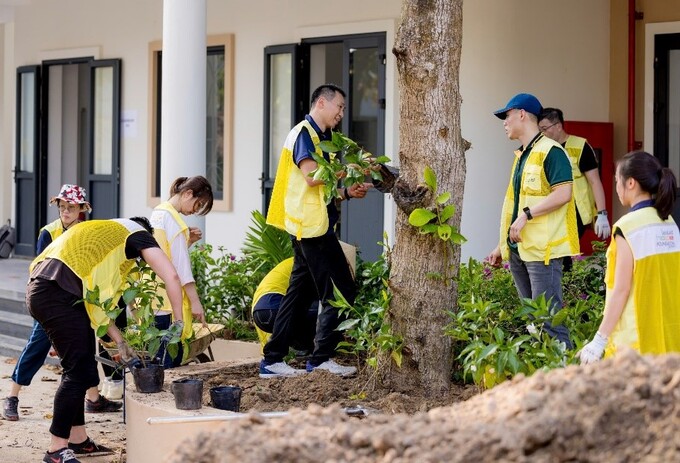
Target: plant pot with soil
x,y
142,301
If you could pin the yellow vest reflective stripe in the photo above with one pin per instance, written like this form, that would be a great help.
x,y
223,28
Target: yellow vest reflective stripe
x,y
275,282
650,322
164,243
548,236
55,229
295,206
95,252
583,194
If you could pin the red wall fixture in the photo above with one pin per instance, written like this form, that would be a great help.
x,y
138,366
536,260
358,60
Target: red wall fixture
x,y
600,135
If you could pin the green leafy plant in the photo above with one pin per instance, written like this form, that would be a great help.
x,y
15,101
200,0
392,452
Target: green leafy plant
x,y
346,161
434,220
141,332
367,333
266,245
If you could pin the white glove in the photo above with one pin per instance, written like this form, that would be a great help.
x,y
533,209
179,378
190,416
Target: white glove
x,y
602,228
592,352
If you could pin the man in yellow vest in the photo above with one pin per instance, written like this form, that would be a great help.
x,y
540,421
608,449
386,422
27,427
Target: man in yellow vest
x,y
588,190
538,220
298,206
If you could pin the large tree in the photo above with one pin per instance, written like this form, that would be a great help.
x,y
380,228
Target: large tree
x,y
428,49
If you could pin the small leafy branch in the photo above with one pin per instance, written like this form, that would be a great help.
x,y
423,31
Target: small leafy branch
x,y
435,219
346,161
141,332
364,322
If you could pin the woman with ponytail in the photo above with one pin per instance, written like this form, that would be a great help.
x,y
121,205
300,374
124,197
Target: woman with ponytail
x,y
642,305
188,196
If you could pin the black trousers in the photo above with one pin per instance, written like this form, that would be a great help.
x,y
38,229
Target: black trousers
x,y
67,325
318,264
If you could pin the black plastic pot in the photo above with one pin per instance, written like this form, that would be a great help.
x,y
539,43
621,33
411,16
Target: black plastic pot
x,y
226,397
188,393
148,379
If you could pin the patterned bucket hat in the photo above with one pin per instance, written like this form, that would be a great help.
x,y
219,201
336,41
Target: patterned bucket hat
x,y
72,194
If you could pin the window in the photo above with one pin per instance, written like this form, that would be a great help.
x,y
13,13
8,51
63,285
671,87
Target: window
x,y
219,102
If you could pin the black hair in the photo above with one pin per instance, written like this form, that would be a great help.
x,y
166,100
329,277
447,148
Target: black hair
x,y
327,91
554,115
200,188
144,222
652,177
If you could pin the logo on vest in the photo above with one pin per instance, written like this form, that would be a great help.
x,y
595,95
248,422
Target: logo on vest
x,y
666,239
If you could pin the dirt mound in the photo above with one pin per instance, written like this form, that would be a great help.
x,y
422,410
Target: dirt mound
x,y
322,388
623,409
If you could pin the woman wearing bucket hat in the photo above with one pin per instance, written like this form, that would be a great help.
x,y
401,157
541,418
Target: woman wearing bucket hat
x,y
71,202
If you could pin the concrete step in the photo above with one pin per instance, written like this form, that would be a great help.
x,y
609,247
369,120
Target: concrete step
x,y
12,347
15,325
13,301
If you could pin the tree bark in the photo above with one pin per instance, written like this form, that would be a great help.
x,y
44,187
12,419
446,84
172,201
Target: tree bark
x,y
428,49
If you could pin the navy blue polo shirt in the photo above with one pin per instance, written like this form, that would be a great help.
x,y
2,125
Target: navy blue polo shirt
x,y
303,149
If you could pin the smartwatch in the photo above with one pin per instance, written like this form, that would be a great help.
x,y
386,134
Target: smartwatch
x,y
528,213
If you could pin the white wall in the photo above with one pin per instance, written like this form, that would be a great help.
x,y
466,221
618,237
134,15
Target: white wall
x,y
508,47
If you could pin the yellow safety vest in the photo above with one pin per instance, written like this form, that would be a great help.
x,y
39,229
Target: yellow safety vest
x,y
275,282
95,252
650,322
583,194
548,236
295,206
55,229
164,243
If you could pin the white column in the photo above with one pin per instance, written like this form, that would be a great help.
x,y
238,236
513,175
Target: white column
x,y
183,97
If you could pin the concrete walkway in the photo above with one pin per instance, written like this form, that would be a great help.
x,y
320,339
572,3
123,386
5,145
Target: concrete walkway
x,y
13,277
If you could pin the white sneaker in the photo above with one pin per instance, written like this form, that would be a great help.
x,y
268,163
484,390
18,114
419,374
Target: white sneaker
x,y
279,369
332,367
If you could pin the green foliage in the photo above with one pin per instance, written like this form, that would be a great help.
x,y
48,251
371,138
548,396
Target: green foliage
x,y
367,333
497,336
266,245
346,160
225,283
141,332
434,220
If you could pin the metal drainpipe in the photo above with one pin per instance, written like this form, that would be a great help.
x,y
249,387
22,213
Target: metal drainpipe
x,y
631,75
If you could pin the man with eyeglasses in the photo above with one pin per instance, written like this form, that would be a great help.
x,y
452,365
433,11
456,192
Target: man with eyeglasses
x,y
298,207
538,220
588,190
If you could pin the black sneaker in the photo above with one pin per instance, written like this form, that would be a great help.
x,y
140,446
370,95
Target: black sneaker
x,y
60,456
102,405
89,448
10,409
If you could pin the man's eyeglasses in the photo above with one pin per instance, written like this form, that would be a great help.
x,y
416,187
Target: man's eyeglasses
x,y
341,107
544,128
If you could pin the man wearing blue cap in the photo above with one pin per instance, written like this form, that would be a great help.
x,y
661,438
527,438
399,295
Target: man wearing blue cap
x,y
538,220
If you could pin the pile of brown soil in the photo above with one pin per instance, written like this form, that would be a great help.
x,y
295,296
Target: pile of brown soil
x,y
623,409
322,388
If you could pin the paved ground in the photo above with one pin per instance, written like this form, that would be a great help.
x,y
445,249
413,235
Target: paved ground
x,y
26,440
13,277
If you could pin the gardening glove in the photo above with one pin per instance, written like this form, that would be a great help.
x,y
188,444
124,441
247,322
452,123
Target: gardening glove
x,y
602,228
175,328
592,352
127,355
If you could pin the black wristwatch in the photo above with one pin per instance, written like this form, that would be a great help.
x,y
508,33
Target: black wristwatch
x,y
527,211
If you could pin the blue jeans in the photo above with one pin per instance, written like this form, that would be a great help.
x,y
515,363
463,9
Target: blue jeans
x,y
32,357
535,278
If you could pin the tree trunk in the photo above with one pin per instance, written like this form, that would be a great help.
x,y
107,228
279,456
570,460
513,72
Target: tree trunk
x,y
427,49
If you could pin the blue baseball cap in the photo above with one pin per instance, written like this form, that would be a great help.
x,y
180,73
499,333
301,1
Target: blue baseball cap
x,y
525,101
